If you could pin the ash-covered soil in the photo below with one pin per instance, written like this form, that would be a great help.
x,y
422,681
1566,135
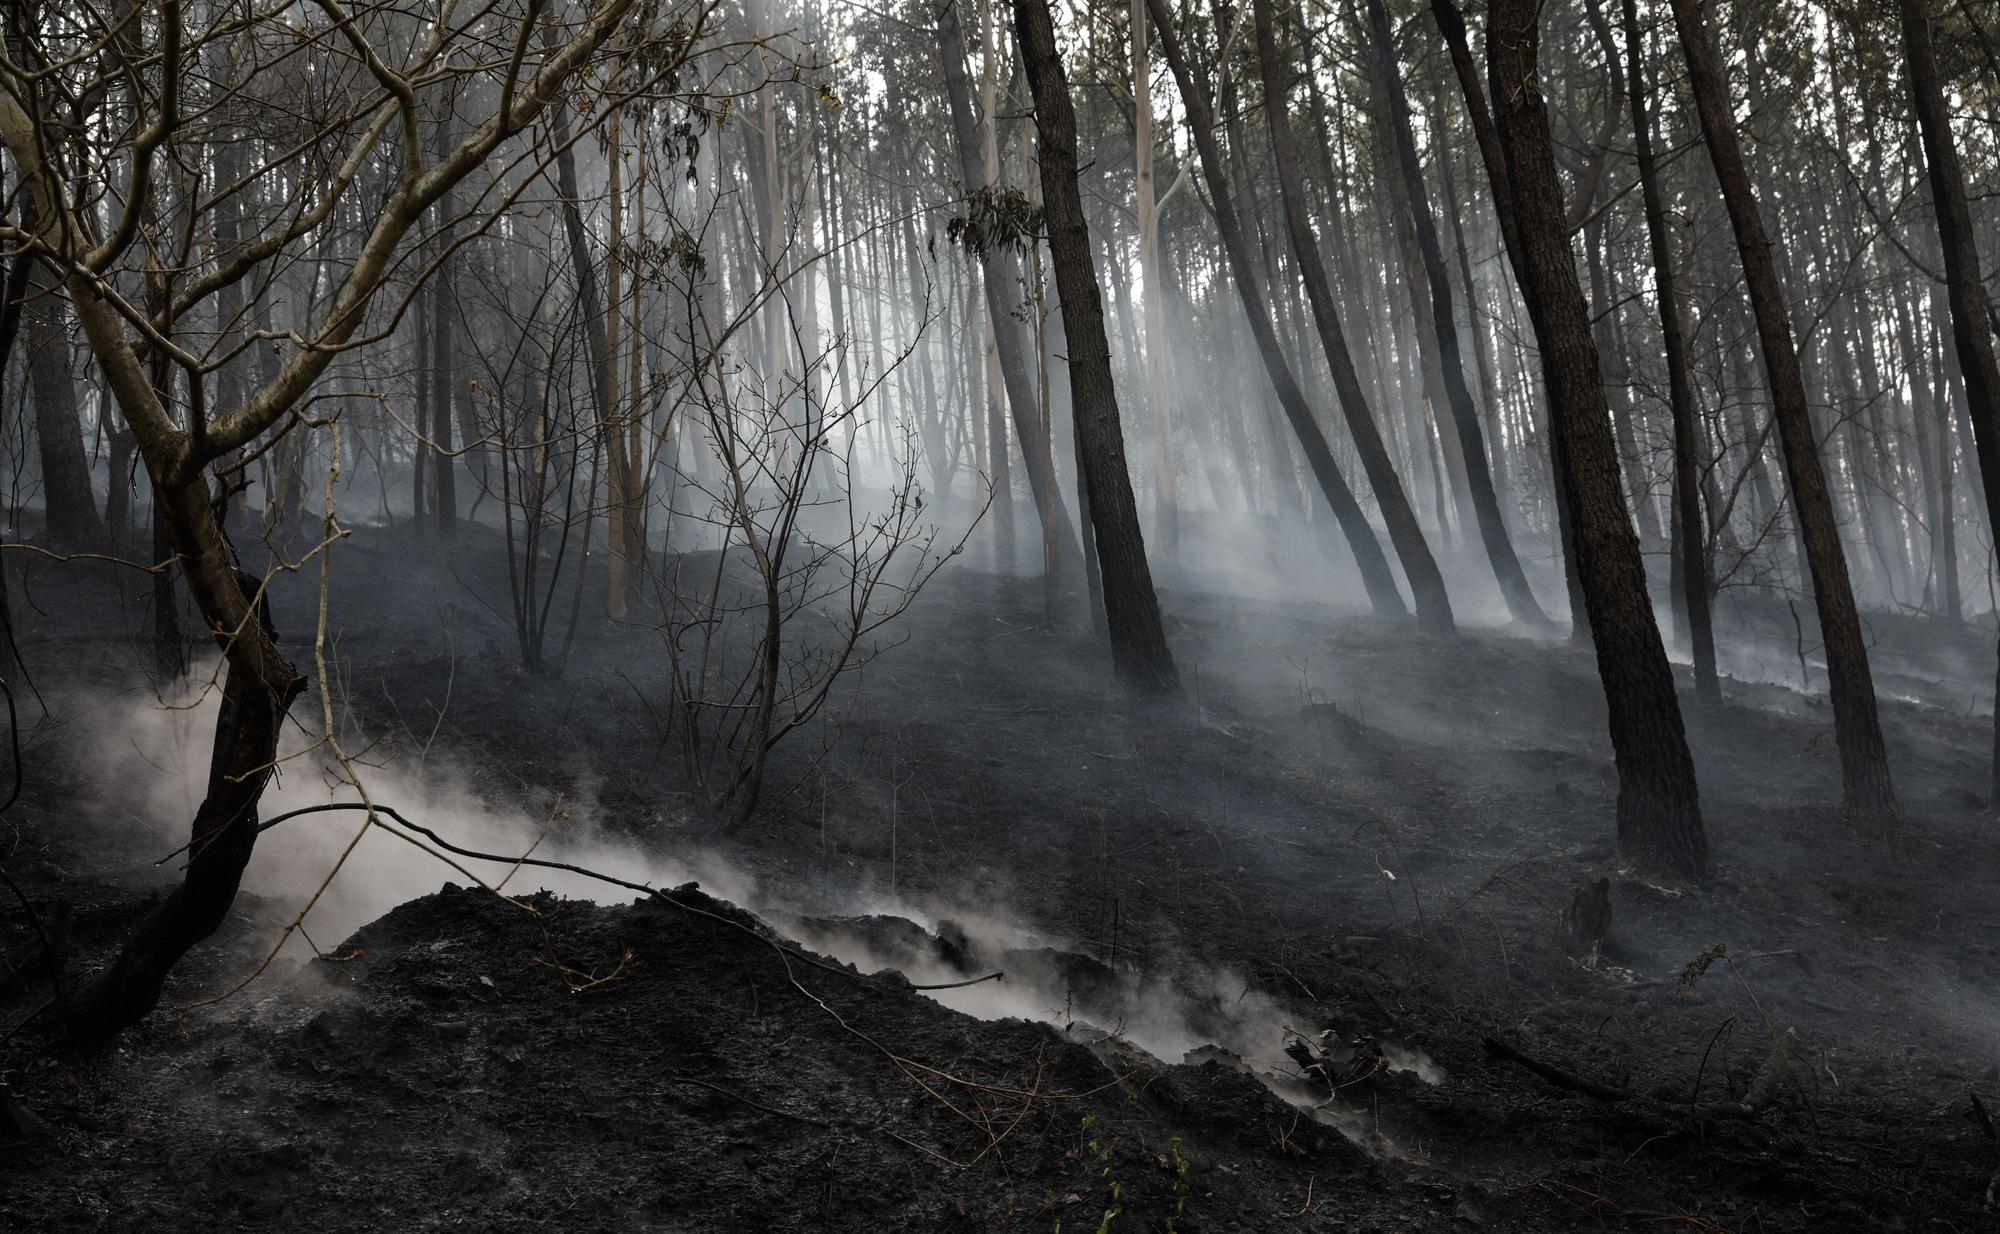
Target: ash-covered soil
x,y
1348,835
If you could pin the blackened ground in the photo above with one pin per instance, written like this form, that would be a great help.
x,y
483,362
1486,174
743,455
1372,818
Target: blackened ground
x,y
1361,827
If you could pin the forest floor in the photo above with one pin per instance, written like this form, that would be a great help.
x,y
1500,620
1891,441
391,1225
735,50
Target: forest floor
x,y
1346,830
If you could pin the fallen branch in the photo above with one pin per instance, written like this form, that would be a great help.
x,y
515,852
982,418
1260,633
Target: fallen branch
x,y
1497,1049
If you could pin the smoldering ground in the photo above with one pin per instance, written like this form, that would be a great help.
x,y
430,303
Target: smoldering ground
x,y
1346,834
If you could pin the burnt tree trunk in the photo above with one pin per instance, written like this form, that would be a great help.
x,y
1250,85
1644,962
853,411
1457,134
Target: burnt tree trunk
x,y
258,688
1486,135
1138,641
1659,809
444,483
1864,762
18,271
1971,321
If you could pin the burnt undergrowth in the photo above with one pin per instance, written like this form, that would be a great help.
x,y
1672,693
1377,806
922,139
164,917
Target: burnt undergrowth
x,y
1352,859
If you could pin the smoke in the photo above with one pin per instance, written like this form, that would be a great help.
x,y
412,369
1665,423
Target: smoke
x,y
341,873
153,752
1193,1015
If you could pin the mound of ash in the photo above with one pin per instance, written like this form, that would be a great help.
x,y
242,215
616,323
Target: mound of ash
x,y
667,1065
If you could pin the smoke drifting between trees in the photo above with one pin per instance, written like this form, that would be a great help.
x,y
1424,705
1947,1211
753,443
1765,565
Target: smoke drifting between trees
x,y
738,323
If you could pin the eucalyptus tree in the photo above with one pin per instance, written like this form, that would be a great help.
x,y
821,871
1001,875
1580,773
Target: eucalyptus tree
x,y
993,234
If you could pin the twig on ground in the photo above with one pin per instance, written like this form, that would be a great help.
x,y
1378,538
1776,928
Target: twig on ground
x,y
740,1099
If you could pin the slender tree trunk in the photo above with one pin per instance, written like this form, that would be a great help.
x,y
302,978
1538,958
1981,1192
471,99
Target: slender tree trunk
x,y
1465,418
618,555
444,485
1659,810
444,472
1946,381
1138,641
1451,24
1971,322
1158,363
1690,544
66,496
1419,567
18,272
420,469
1864,762
1375,574
1606,320
1414,324
170,662
1482,362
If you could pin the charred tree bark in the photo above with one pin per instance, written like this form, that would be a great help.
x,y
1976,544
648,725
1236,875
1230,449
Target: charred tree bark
x,y
1465,418
1419,566
1690,596
1971,321
1659,809
257,690
1375,574
1138,641
1864,762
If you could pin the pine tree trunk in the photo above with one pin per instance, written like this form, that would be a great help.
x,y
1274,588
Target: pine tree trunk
x,y
1971,322
1158,363
1864,762
1659,811
1690,552
1451,24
